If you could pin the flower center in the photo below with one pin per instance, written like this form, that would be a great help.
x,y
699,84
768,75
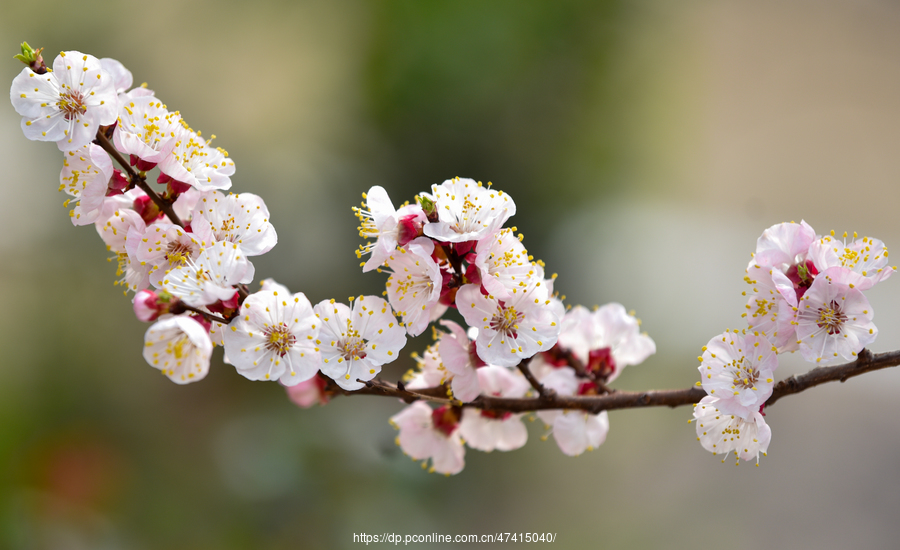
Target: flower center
x,y
178,253
744,375
831,318
71,103
353,347
445,419
468,217
506,320
279,339
178,348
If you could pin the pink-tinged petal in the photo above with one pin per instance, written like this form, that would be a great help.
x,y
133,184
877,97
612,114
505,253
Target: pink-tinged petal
x,y
576,431
465,386
122,78
782,243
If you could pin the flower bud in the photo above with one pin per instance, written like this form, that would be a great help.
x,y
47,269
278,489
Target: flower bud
x,y
147,209
146,306
409,228
117,184
428,206
309,393
32,58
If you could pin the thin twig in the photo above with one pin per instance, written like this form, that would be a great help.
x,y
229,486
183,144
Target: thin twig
x,y
207,315
541,389
139,180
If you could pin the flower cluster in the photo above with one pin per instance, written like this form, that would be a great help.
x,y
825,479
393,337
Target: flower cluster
x,y
807,295
450,250
185,249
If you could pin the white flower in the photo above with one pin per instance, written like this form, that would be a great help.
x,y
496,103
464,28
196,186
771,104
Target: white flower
x,y
85,176
179,347
166,246
512,330
606,340
121,232
273,338
866,259
578,431
414,287
145,127
389,227
504,264
833,318
467,211
271,284
459,358
738,368
783,245
431,372
241,219
190,160
67,105
114,230
772,290
431,434
723,433
487,430
355,343
122,78
210,278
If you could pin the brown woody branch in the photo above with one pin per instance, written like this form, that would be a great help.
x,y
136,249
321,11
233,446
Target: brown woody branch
x,y
865,362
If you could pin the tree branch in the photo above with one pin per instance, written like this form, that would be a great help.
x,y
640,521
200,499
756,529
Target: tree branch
x,y
866,362
138,180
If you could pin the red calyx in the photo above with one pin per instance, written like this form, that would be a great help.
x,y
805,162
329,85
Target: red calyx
x,y
601,363
802,279
147,209
117,184
142,165
556,357
408,229
445,419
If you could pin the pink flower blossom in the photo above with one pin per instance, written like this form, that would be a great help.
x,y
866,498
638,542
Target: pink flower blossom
x,y
427,434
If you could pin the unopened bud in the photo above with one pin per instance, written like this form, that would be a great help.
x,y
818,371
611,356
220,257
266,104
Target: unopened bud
x,y
147,209
409,228
32,58
117,184
146,306
428,207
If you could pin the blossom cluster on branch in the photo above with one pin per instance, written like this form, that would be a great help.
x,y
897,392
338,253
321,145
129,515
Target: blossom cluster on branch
x,y
183,248
806,294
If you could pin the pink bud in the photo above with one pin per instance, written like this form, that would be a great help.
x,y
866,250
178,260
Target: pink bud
x,y
408,229
309,393
117,184
147,209
146,305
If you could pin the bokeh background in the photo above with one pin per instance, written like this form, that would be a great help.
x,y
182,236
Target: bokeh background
x,y
647,145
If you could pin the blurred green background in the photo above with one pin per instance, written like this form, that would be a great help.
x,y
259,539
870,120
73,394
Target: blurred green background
x,y
647,145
